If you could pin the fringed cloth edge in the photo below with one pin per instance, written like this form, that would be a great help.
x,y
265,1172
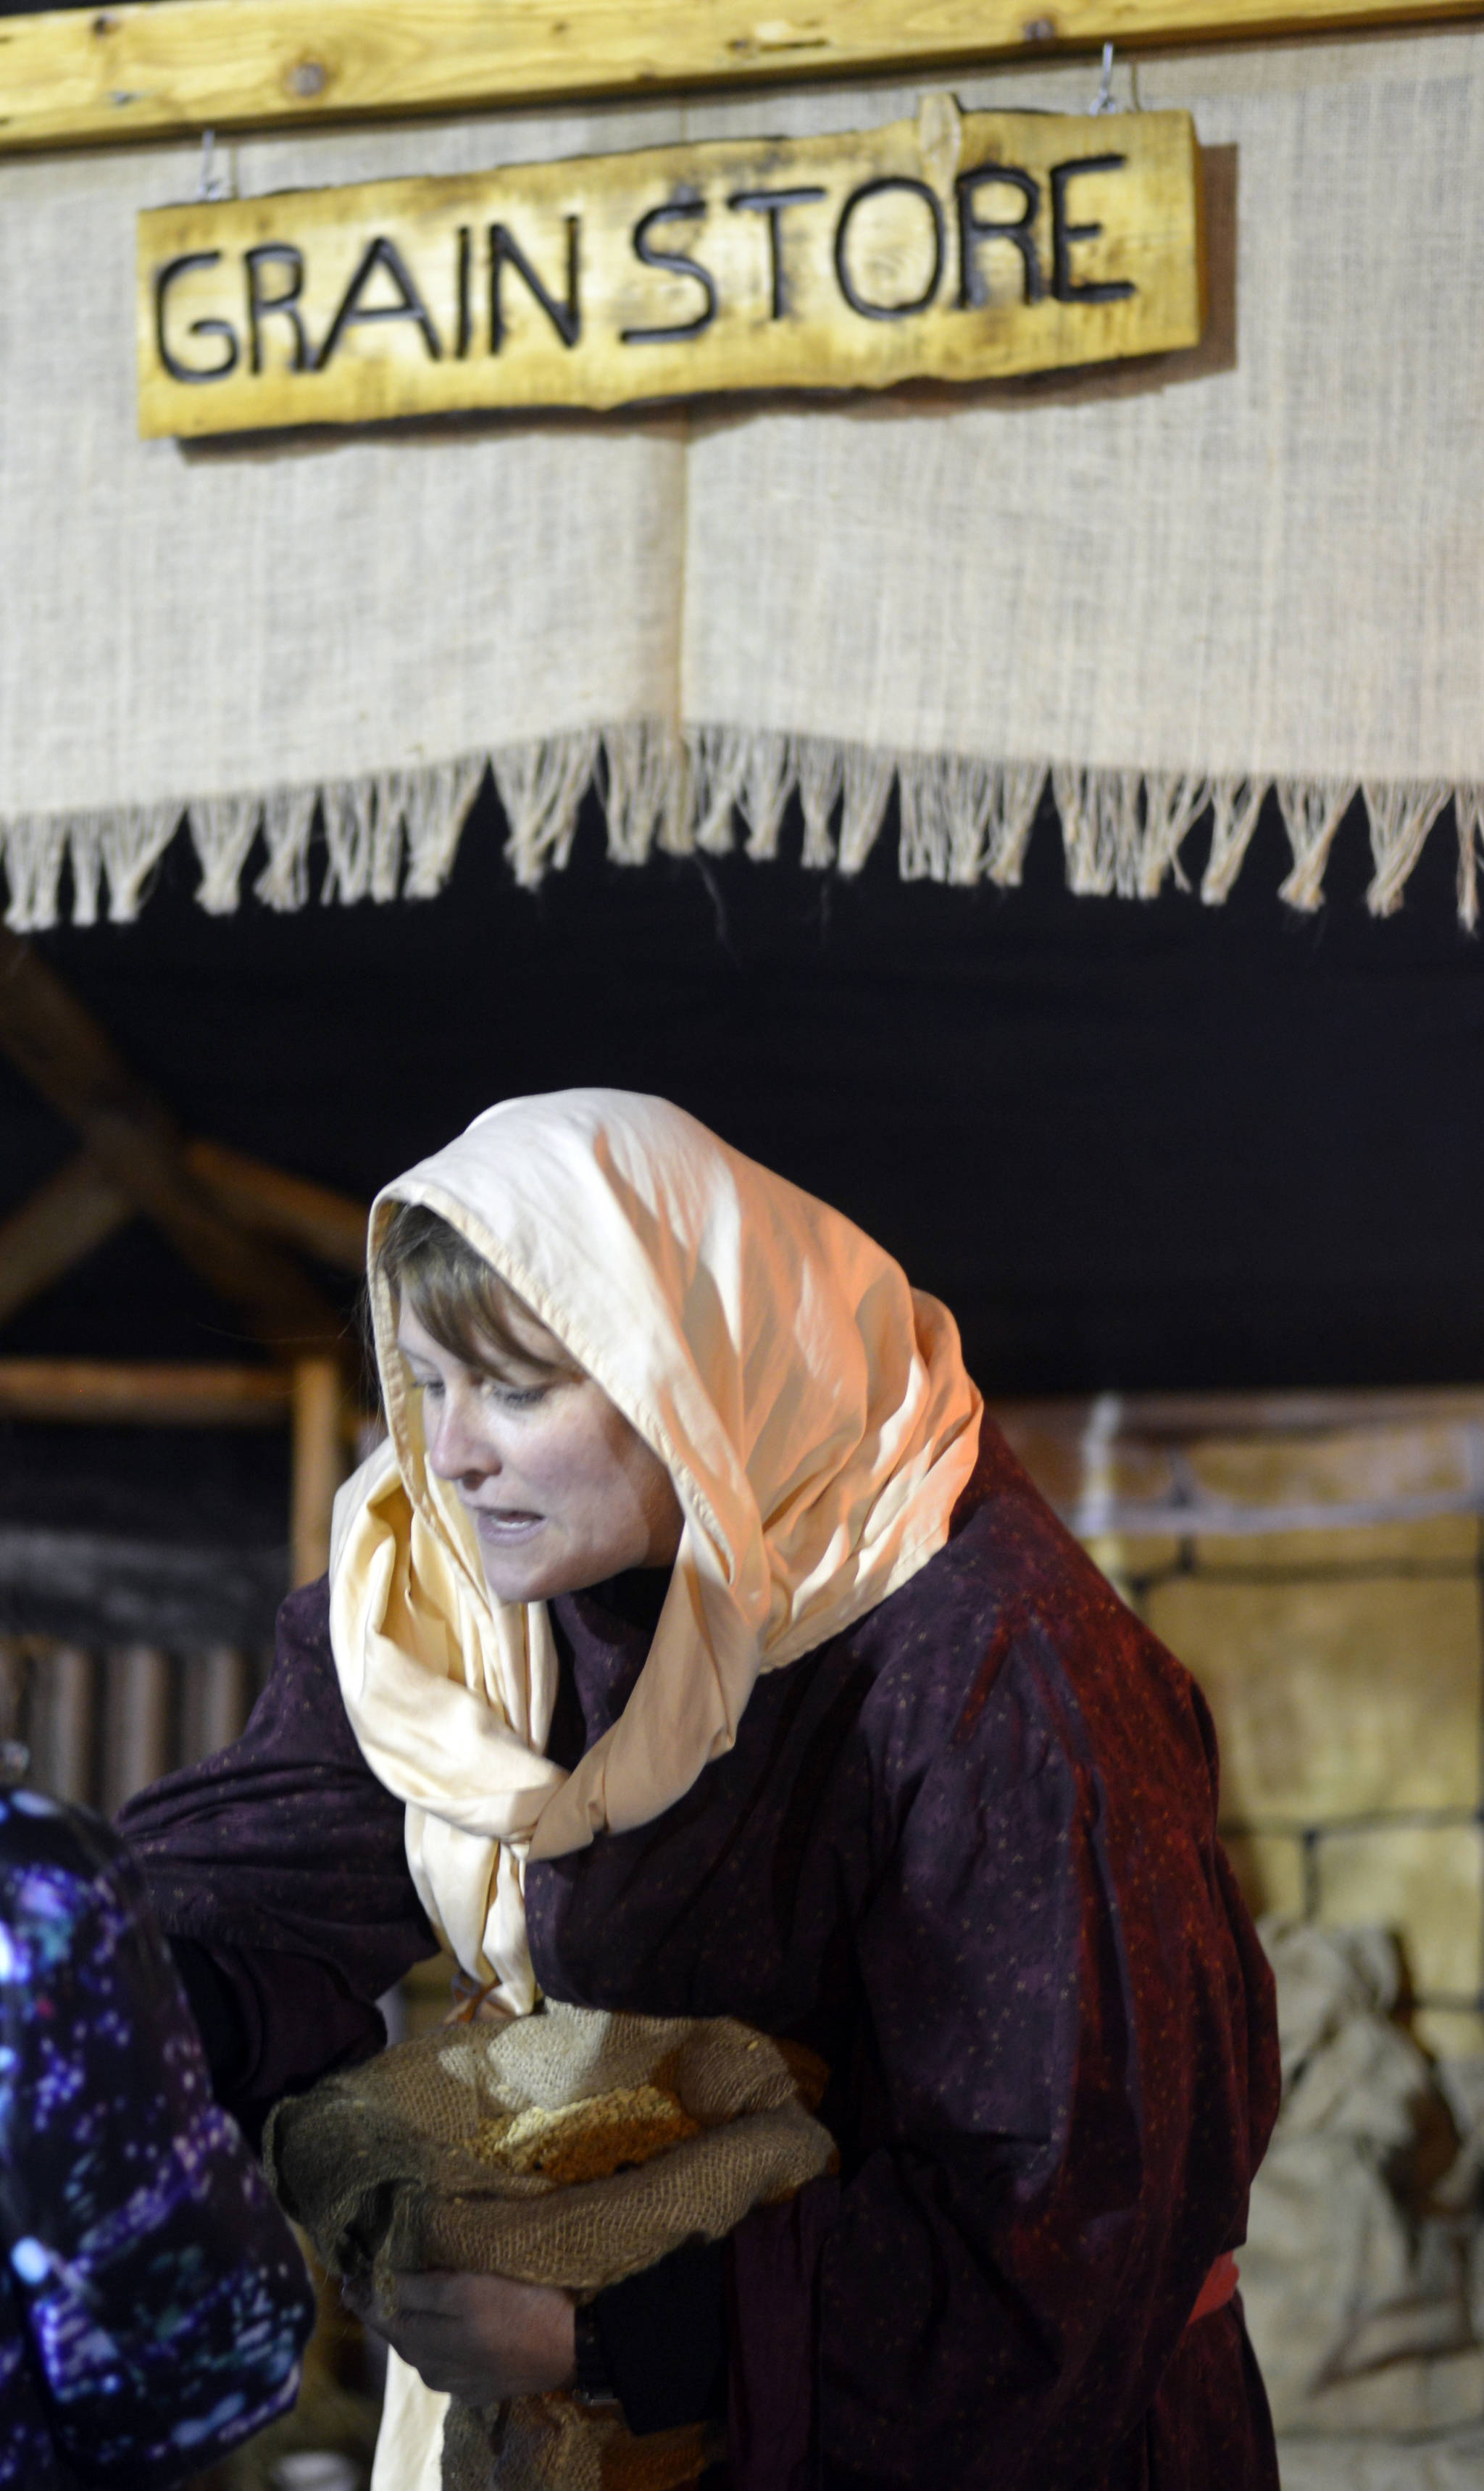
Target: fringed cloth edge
x,y
963,820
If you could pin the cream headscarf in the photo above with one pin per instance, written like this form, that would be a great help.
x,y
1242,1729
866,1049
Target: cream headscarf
x,y
814,1415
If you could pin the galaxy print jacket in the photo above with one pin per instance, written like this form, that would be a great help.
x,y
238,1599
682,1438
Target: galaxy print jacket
x,y
153,2304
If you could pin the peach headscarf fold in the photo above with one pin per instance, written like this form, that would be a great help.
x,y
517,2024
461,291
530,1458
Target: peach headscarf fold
x,y
813,1411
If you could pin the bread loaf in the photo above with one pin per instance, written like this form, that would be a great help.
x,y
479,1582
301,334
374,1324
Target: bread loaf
x,y
586,2140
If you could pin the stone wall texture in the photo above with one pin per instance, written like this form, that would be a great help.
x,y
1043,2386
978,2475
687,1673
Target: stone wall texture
x,y
1317,1562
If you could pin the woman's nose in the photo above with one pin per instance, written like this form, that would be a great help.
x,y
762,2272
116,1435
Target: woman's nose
x,y
458,1444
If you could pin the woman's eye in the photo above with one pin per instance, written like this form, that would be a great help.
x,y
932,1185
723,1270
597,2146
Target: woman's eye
x,y
510,1397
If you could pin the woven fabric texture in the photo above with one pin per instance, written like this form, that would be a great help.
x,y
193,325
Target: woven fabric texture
x,y
401,2164
1176,583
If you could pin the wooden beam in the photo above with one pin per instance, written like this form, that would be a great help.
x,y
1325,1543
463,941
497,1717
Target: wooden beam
x,y
102,1392
80,1208
160,68
328,1225
76,1210
1156,1417
132,1138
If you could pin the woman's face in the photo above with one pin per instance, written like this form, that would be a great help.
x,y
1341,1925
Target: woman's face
x,y
561,1489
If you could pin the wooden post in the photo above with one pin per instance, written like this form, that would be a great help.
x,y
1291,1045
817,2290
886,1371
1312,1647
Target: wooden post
x,y
136,1722
59,1723
12,1688
318,1464
213,1701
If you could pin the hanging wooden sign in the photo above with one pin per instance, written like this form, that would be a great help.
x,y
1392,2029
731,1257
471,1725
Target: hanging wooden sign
x,y
954,248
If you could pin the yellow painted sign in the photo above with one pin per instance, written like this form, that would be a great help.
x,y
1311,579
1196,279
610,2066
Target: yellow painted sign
x,y
954,248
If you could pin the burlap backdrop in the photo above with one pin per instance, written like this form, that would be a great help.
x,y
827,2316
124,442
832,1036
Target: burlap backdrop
x,y
1169,584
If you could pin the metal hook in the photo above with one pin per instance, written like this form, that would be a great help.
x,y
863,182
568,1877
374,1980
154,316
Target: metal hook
x,y
1103,102
212,184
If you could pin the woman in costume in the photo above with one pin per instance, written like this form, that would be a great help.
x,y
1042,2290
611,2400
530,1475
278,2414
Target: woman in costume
x,y
695,1646
153,2304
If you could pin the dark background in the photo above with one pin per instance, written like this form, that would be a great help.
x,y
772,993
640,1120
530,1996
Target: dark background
x,y
1132,1145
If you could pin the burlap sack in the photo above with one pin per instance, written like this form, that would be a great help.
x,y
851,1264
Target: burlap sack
x,y
1363,2216
468,2150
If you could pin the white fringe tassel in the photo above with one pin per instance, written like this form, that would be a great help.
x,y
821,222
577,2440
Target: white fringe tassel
x,y
223,829
1122,829
644,780
963,821
1401,818
1468,811
821,768
686,792
1312,810
1235,804
288,818
542,786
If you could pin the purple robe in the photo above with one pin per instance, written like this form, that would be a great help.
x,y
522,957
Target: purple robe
x,y
967,1852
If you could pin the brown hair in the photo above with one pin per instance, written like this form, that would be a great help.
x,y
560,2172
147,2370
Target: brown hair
x,y
456,1296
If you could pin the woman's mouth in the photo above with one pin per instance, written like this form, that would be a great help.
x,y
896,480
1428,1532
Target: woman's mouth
x,y
504,1526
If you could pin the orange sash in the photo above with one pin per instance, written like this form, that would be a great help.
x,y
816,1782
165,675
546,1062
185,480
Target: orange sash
x,y
1217,2289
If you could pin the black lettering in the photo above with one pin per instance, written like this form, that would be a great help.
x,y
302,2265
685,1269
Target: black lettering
x,y
685,203
353,312
464,333
1063,235
565,317
975,230
772,204
263,256
848,288
222,328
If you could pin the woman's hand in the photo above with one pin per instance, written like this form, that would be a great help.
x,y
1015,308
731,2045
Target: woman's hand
x,y
480,2337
